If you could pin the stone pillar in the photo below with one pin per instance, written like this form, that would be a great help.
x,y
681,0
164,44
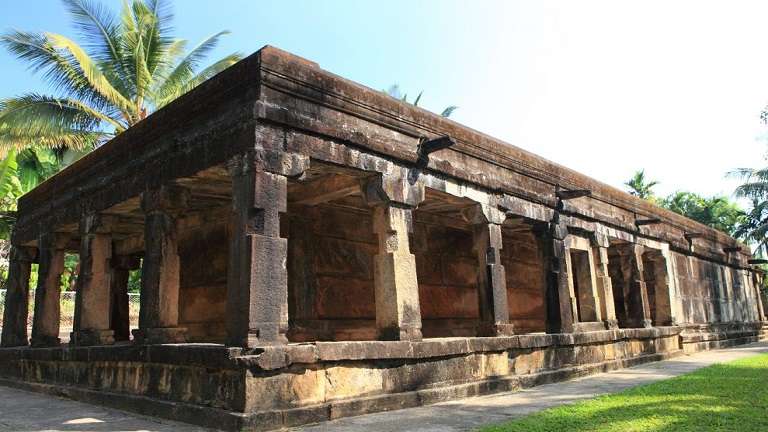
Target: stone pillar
x,y
491,279
92,298
663,291
757,280
120,321
398,313
257,279
160,277
636,293
16,309
551,236
604,285
45,327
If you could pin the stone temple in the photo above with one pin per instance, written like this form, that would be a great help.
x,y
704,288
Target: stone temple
x,y
312,249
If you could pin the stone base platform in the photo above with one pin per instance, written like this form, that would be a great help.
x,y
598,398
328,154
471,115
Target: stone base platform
x,y
695,338
274,387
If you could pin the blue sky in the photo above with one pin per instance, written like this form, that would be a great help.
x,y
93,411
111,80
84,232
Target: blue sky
x,y
604,87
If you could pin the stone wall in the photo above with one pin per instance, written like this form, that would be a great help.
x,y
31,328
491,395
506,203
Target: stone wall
x,y
203,289
713,293
447,275
526,289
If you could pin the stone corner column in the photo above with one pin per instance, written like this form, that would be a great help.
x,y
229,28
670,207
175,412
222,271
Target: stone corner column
x,y
16,310
560,318
493,305
601,243
47,319
257,277
398,313
92,297
160,276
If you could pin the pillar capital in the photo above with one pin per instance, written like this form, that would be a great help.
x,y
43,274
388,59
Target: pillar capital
x,y
479,214
170,199
276,162
96,223
393,189
24,254
599,239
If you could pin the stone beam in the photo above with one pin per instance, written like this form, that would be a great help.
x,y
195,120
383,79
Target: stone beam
x,y
325,189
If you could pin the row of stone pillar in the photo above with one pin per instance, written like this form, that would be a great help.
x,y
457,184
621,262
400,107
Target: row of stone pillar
x,y
257,309
101,299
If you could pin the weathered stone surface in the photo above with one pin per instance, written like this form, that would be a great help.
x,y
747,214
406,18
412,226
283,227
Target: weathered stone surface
x,y
93,297
17,297
398,316
248,243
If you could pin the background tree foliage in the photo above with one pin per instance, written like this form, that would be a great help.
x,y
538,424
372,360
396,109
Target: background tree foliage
x,y
717,212
125,67
121,68
641,187
394,91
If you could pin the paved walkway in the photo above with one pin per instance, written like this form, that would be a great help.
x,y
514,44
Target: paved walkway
x,y
24,411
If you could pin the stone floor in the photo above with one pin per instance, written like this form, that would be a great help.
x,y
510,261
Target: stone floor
x,y
23,411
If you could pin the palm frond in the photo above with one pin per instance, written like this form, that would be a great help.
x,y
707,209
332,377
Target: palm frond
x,y
59,70
169,94
36,120
92,73
97,26
448,111
185,69
9,184
418,98
101,39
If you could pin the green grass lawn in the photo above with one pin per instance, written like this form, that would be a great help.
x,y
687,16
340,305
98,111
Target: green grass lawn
x,y
723,397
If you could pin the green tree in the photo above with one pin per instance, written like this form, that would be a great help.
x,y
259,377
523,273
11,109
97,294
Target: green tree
x,y
754,227
717,212
21,171
641,187
394,91
125,67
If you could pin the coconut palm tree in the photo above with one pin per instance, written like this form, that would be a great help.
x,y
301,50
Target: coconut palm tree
x,y
754,228
641,187
754,188
394,91
127,66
